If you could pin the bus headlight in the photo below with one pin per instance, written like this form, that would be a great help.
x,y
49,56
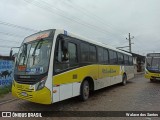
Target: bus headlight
x,y
146,71
42,83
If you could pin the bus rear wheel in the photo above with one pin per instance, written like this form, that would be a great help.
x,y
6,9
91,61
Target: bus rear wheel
x,y
124,80
84,91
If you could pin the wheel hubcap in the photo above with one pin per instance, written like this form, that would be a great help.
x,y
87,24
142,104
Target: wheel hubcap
x,y
86,91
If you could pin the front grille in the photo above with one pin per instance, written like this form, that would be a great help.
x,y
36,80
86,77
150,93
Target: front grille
x,y
30,81
28,97
24,89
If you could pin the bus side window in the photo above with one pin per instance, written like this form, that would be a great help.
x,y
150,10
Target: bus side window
x,y
59,53
113,57
73,59
100,55
66,56
84,52
61,56
92,54
105,56
120,58
126,60
130,60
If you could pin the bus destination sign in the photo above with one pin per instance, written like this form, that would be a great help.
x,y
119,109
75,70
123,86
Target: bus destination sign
x,y
37,36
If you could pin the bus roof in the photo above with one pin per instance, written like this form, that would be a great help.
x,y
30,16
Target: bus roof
x,y
153,55
61,31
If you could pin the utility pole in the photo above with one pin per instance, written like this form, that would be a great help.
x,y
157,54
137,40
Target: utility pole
x,y
130,42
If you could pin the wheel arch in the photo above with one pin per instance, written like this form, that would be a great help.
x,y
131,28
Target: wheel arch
x,y
125,74
90,81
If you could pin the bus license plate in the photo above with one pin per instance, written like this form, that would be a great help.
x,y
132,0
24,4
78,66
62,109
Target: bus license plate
x,y
24,94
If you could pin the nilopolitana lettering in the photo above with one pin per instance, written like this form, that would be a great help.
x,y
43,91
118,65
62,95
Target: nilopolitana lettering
x,y
108,71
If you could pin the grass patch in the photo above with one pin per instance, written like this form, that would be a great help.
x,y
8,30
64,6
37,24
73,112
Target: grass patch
x,y
5,90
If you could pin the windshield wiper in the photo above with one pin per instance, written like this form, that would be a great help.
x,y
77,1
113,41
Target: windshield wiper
x,y
23,54
35,50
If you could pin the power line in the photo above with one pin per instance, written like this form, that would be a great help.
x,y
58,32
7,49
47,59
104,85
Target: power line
x,y
17,26
129,39
10,34
75,17
8,40
85,23
87,13
122,47
60,12
7,46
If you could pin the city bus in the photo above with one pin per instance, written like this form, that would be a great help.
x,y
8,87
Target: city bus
x,y
54,65
152,66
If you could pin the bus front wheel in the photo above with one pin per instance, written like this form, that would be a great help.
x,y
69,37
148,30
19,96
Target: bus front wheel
x,y
84,91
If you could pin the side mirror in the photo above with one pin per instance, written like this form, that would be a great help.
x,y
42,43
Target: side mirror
x,y
11,53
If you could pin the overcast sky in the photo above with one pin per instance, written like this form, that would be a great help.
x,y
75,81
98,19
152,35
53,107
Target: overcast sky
x,y
107,21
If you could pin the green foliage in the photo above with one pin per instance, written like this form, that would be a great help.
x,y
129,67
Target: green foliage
x,y
5,90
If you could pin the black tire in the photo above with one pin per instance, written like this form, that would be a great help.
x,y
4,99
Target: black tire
x,y
151,80
84,91
124,80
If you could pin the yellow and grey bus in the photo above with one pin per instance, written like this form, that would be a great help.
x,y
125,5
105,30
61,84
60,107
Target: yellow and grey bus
x,y
152,66
55,65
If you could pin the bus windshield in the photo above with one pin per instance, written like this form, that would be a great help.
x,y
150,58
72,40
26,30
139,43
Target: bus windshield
x,y
153,63
33,57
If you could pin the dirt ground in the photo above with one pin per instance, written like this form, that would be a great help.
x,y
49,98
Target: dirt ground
x,y
138,95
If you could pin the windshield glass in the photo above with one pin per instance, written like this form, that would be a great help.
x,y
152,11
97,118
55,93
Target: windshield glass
x,y
148,61
153,63
34,56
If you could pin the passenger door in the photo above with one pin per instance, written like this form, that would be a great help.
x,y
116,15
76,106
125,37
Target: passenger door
x,y
66,59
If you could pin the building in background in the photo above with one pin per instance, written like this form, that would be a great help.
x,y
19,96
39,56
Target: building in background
x,y
139,62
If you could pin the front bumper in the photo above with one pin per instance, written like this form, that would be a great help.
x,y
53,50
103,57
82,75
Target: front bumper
x,y
23,91
147,76
152,76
